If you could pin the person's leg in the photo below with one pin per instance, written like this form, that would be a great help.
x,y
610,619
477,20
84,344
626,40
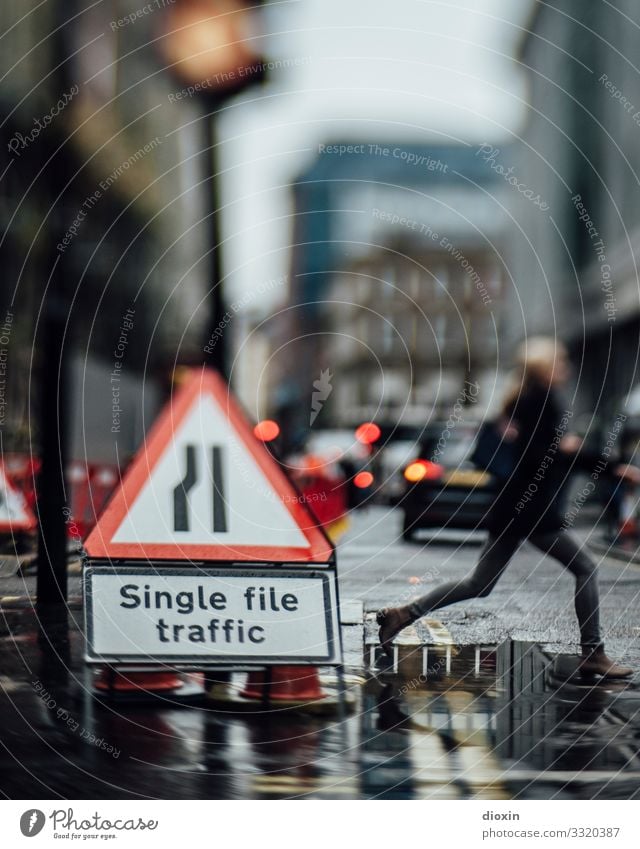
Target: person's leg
x,y
494,558
568,551
563,547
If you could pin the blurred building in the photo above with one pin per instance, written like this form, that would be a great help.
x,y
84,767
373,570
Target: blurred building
x,y
575,263
411,331
397,283
102,183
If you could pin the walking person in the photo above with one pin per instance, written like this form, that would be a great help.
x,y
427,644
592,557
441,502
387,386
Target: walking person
x,y
528,506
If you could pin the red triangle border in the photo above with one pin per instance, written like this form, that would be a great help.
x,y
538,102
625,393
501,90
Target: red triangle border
x,y
199,381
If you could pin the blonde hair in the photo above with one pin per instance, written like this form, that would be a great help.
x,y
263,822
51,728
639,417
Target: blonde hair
x,y
535,360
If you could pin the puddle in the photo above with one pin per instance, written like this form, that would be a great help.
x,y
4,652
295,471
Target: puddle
x,y
516,725
487,722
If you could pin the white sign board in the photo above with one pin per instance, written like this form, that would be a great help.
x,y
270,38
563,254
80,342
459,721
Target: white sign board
x,y
211,616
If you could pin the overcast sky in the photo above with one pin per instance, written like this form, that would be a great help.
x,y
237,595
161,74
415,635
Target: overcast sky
x,y
412,71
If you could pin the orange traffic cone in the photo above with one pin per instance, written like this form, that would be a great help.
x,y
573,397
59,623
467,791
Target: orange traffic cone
x,y
287,684
137,682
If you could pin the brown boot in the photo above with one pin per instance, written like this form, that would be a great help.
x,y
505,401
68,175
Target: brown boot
x,y
594,661
391,621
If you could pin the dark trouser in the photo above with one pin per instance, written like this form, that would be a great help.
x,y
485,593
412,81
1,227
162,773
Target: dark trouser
x,y
495,556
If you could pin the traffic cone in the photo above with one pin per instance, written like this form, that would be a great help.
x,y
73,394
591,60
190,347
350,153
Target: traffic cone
x,y
137,682
287,684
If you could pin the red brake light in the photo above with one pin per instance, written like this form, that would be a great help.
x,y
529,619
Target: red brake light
x,y
363,480
368,433
423,470
267,430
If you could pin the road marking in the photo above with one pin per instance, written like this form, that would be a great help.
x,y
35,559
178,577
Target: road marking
x,y
439,633
425,633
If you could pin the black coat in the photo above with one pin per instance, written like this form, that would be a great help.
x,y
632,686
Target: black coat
x,y
531,499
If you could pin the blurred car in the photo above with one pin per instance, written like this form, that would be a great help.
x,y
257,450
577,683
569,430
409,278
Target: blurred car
x,y
443,489
391,463
336,445
353,458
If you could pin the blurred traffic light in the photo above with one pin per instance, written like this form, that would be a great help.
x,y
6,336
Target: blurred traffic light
x,y
423,470
368,433
363,480
267,430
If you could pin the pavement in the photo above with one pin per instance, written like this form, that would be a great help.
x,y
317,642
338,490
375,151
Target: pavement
x,y
482,701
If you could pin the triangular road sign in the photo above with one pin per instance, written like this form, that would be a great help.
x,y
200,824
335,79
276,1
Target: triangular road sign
x,y
202,487
15,514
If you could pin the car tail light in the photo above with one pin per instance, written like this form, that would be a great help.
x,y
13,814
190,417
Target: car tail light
x,y
423,470
368,433
267,430
363,480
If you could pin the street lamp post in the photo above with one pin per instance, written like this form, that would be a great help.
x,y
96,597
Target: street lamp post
x,y
216,354
206,45
209,46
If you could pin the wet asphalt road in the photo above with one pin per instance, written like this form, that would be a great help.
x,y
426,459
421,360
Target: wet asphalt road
x,y
533,600
507,722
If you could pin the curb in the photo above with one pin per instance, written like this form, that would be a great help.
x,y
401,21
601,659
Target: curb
x,y
28,602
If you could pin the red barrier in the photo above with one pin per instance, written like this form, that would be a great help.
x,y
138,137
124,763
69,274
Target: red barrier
x,y
89,487
323,488
22,471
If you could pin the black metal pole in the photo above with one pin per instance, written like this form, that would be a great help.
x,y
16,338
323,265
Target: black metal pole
x,y
216,344
53,385
53,416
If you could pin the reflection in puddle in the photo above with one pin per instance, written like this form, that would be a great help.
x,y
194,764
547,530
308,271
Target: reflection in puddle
x,y
510,723
494,723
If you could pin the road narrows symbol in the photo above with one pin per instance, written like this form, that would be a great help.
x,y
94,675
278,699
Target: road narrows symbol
x,y
180,500
219,509
181,505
